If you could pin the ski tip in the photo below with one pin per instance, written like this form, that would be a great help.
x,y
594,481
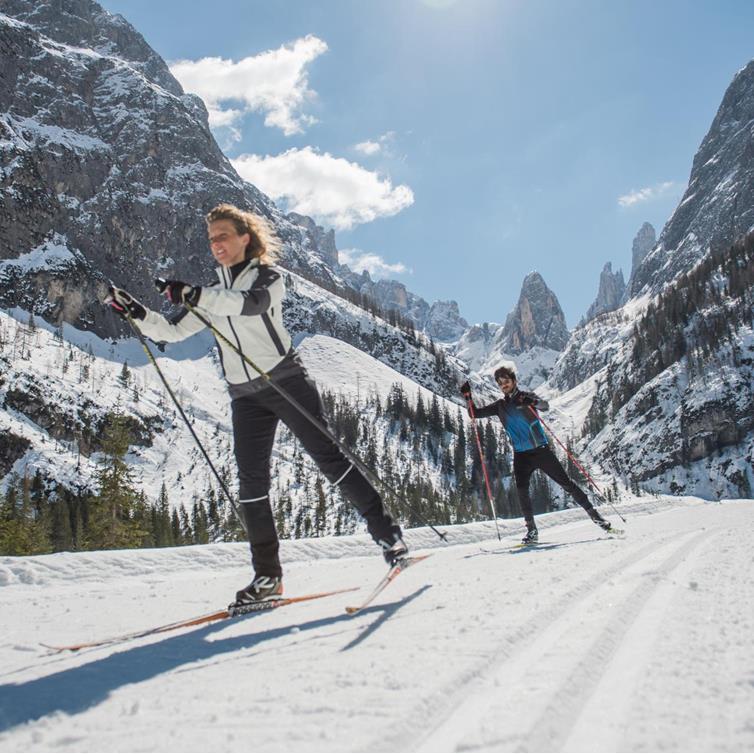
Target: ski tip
x,y
60,650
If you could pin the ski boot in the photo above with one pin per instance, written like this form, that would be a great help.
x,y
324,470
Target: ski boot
x,y
594,514
395,552
532,537
262,589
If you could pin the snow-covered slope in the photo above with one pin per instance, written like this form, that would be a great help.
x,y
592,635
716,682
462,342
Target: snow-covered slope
x,y
59,389
584,644
674,386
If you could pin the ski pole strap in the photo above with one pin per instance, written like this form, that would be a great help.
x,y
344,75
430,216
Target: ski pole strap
x,y
152,359
371,476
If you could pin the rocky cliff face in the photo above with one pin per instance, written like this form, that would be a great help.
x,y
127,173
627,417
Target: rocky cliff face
x,y
611,290
533,336
107,169
718,205
671,370
643,243
537,319
104,155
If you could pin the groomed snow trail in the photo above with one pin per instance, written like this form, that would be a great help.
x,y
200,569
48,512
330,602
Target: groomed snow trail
x,y
586,643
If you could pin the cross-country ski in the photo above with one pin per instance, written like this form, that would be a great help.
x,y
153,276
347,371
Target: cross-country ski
x,y
234,611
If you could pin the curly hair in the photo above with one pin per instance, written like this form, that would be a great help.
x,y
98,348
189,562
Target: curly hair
x,y
263,243
505,371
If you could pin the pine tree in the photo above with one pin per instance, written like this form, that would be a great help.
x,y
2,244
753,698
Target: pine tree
x,y
199,523
125,375
320,509
112,508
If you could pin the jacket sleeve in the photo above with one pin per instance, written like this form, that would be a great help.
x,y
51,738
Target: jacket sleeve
x,y
266,291
482,411
179,326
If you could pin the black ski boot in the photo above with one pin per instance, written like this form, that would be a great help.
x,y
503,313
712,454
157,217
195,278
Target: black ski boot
x,y
395,550
532,537
594,514
262,589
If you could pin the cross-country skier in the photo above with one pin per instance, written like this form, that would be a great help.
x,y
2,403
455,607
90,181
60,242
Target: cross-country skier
x,y
531,449
245,305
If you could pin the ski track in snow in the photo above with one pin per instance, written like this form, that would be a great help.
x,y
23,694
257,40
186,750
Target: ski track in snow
x,y
586,644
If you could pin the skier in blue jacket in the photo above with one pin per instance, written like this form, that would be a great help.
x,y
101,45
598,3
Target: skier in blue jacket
x,y
531,449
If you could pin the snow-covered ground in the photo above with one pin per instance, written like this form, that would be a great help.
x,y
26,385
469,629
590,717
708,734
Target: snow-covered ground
x,y
587,643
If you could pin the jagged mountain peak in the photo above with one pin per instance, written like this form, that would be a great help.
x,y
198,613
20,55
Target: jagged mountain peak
x,y
643,243
537,319
718,205
610,293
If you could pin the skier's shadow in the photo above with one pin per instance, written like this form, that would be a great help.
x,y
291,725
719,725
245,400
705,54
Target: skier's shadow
x,y
387,612
75,690
542,547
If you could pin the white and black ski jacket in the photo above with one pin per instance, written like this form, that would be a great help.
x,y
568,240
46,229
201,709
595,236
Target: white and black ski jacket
x,y
245,305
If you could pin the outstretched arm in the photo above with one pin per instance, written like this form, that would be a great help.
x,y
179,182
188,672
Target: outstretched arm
x,y
478,411
178,326
152,324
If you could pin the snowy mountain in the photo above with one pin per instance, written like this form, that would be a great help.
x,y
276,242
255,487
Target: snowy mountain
x,y
533,337
669,374
643,243
610,293
107,170
717,207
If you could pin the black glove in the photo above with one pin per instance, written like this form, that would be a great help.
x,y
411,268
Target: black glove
x,y
526,399
178,292
466,389
122,303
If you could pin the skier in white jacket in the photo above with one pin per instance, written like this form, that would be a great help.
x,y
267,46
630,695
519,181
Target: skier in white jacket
x,y
245,305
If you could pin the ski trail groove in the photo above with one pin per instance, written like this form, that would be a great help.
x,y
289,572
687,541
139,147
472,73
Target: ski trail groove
x,y
553,726
456,706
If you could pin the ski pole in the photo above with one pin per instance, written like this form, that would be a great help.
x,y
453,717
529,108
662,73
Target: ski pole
x,y
484,465
151,357
578,465
373,478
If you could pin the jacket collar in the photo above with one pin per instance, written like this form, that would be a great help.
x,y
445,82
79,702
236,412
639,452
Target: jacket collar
x,y
232,273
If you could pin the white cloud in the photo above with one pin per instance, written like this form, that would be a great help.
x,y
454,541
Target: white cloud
x,y
374,264
648,194
368,147
333,190
274,82
383,144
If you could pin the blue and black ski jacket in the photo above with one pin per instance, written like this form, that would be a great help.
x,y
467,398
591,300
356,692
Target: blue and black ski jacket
x,y
520,422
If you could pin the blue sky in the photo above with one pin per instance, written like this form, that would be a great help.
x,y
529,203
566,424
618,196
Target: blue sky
x,y
456,146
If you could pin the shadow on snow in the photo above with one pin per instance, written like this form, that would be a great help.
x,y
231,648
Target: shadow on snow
x,y
75,690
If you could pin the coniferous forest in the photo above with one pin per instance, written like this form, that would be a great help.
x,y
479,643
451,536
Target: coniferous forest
x,y
446,486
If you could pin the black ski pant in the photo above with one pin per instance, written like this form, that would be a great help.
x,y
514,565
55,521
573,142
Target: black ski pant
x,y
526,462
255,419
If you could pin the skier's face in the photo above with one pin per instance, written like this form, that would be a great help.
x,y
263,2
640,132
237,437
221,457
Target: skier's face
x,y
507,385
228,248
